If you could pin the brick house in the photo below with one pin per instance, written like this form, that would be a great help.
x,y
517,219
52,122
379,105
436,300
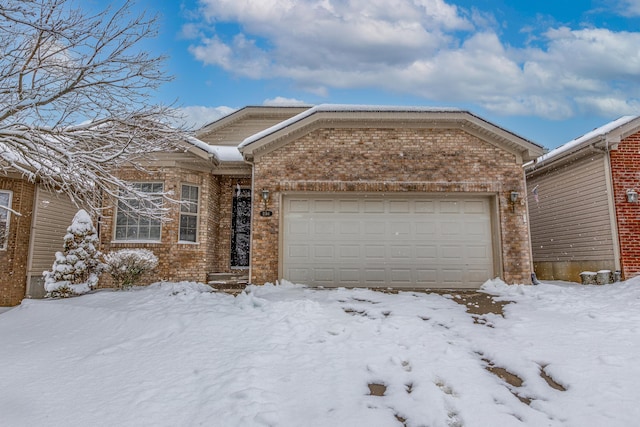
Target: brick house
x,y
583,206
338,196
341,196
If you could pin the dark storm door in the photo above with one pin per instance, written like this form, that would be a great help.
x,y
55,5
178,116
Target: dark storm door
x,y
241,228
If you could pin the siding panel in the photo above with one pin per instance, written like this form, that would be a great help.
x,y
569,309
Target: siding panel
x,y
570,219
53,215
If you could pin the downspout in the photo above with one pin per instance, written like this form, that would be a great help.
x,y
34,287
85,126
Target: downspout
x,y
534,280
613,217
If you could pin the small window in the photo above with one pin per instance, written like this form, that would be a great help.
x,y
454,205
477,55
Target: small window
x,y
5,204
189,213
130,225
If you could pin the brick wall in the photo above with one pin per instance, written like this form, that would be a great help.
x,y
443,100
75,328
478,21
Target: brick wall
x,y
13,260
625,171
177,261
391,160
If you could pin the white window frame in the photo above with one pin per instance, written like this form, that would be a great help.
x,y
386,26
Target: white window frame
x,y
156,222
185,211
4,240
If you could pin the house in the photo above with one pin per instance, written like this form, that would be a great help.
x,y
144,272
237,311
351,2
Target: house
x,y
337,195
583,204
30,234
341,196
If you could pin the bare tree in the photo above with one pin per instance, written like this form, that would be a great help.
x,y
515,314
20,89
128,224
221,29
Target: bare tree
x,y
75,99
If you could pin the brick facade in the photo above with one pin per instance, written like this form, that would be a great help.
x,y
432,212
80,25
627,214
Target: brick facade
x,y
13,259
391,160
625,172
177,261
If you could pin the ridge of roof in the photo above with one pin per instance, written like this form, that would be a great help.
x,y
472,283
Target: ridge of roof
x,y
342,108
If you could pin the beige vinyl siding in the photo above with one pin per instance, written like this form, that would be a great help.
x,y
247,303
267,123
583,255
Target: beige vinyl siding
x,y
235,133
570,221
52,216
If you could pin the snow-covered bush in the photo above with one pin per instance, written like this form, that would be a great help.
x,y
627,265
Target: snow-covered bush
x,y
127,266
77,268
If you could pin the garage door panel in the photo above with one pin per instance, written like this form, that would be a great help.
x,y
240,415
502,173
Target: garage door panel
x,y
299,226
348,206
426,253
349,275
324,206
404,252
324,275
399,206
298,252
324,228
349,227
374,206
423,207
299,206
375,241
375,252
349,251
375,276
324,252
475,207
449,207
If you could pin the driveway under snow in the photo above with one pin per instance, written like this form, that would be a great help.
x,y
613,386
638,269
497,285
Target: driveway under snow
x,y
181,355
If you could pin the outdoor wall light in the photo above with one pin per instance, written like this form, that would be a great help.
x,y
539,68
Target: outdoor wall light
x,y
632,196
265,201
513,198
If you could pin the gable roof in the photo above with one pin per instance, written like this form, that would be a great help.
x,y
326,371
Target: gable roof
x,y
232,129
603,139
385,116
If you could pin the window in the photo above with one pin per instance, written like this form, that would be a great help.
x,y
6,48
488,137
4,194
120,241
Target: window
x,y
132,226
5,202
189,213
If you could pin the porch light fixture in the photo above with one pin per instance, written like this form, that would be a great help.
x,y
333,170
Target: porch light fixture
x,y
265,201
513,198
632,196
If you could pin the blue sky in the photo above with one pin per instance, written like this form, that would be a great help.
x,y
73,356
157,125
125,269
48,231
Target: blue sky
x,y
549,71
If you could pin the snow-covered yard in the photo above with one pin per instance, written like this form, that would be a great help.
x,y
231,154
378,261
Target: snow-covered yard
x,y
176,354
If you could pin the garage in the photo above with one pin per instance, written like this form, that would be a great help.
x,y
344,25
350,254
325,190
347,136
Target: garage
x,y
373,240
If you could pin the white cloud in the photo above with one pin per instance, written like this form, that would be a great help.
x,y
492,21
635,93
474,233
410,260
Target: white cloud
x,y
196,116
283,102
629,7
427,48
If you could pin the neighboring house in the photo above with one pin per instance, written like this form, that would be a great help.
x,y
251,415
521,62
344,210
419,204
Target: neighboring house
x,y
335,196
583,205
341,196
29,237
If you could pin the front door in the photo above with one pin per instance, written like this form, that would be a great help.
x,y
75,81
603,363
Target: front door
x,y
241,228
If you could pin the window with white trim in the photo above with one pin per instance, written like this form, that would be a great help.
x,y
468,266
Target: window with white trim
x,y
189,213
132,226
5,204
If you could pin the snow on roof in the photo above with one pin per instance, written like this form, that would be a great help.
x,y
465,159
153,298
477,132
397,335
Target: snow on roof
x,y
226,153
340,108
221,152
585,139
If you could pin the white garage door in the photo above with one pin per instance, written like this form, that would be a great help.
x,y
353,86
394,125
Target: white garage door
x,y
372,241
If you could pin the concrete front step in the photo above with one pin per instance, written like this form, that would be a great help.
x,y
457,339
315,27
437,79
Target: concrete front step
x,y
228,281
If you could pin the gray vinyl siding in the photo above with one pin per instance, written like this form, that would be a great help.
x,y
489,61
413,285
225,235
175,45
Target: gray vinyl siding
x,y
571,219
53,215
